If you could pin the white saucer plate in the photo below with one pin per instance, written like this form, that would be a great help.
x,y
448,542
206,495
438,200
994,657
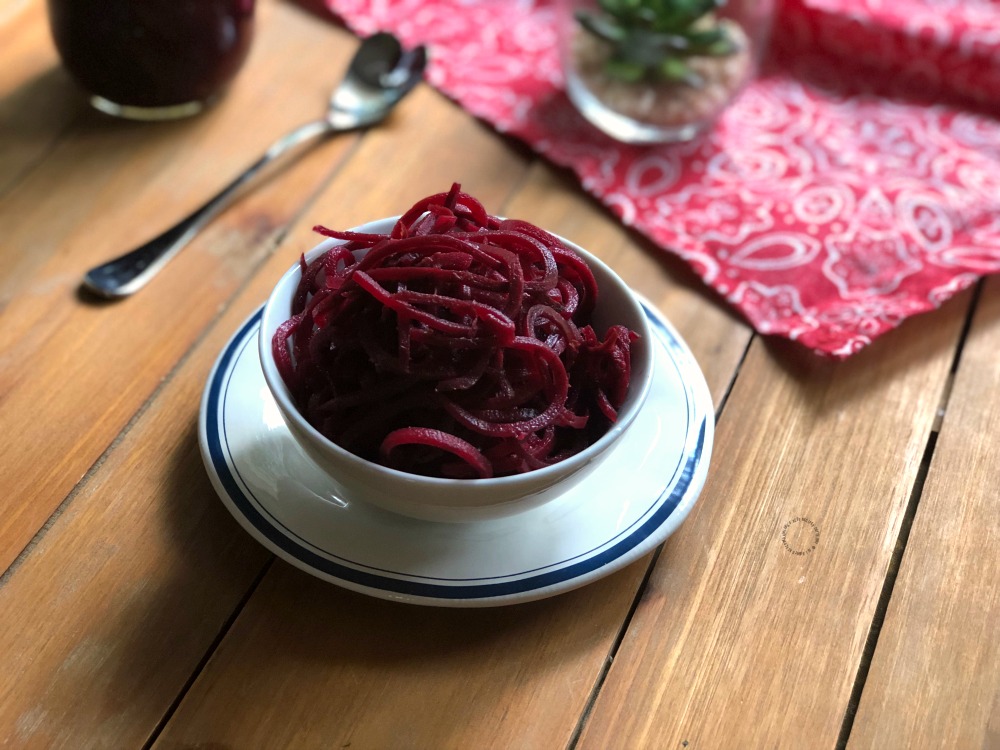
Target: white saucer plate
x,y
633,501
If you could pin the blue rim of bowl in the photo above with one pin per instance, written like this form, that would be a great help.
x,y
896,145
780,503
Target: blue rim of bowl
x,y
280,541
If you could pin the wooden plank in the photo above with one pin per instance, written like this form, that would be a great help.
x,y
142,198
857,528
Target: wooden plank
x,y
103,622
110,184
110,612
332,669
751,629
37,99
72,373
934,680
309,665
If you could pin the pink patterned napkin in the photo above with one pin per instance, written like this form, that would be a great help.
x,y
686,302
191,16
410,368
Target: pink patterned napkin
x,y
854,184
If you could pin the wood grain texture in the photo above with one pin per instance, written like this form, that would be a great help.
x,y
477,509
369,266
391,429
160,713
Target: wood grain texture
x,y
309,665
110,612
934,680
752,627
132,592
344,669
103,622
72,372
38,102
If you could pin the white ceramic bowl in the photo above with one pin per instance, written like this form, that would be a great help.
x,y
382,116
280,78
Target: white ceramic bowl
x,y
439,499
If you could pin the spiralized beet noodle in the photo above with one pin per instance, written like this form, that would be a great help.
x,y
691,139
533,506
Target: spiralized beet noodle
x,y
459,345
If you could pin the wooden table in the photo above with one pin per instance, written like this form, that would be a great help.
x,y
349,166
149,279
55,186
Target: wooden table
x,y
836,584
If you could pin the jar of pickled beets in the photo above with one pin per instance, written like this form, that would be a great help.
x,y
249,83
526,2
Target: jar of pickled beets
x,y
152,59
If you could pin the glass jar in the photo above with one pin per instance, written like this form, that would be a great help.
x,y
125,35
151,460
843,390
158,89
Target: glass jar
x,y
152,59
657,71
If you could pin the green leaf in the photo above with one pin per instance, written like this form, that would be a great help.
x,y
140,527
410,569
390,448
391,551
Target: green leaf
x,y
679,15
601,27
715,42
706,38
647,16
666,44
656,35
722,48
675,70
647,49
625,71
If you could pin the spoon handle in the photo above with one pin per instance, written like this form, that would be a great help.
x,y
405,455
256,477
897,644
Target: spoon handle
x,y
128,273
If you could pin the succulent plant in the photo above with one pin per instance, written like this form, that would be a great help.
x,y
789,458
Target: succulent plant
x,y
653,39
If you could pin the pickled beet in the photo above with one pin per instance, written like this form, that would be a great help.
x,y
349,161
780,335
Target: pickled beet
x,y
457,345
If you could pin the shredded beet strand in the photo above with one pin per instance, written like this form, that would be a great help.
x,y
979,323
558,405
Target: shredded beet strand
x,y
456,345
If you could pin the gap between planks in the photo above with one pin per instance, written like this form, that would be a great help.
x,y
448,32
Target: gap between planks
x,y
620,636
209,652
272,244
25,172
251,590
889,583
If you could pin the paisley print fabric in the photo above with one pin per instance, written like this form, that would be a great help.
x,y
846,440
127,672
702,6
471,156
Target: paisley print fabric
x,y
854,184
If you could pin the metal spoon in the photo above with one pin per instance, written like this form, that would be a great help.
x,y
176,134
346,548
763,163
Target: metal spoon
x,y
379,76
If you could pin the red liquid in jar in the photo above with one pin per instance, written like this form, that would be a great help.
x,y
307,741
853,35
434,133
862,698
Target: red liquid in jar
x,y
152,53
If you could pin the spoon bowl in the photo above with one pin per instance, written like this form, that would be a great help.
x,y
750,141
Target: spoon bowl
x,y
380,74
378,77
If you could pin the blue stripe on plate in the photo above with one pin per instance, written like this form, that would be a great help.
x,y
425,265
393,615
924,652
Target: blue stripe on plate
x,y
416,588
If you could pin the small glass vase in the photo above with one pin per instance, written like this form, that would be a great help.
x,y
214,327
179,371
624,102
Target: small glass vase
x,y
659,100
